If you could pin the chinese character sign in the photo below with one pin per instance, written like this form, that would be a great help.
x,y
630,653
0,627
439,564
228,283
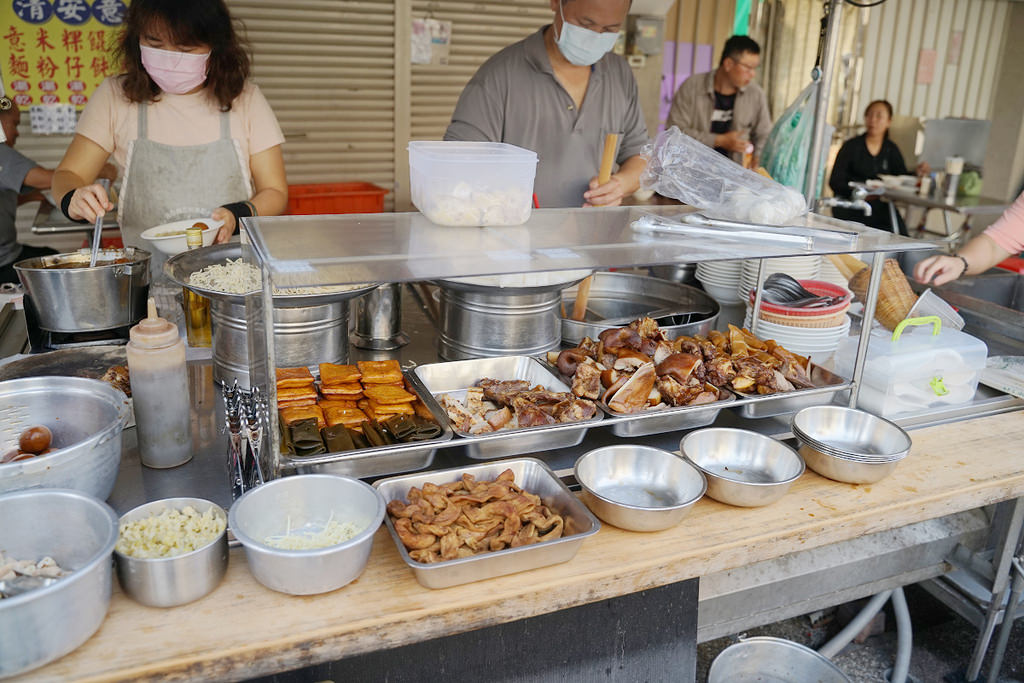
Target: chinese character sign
x,y
57,51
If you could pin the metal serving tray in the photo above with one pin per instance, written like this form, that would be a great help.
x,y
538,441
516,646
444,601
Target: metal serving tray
x,y
826,385
379,460
666,419
533,476
455,377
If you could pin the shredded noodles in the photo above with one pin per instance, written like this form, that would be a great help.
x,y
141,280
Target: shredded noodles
x,y
235,276
313,536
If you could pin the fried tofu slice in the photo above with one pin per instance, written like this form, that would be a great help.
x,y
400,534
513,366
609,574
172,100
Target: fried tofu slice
x,y
351,391
380,371
385,393
350,417
332,374
291,415
293,377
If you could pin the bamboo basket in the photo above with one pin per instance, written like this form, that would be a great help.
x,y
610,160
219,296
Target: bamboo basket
x,y
809,321
895,297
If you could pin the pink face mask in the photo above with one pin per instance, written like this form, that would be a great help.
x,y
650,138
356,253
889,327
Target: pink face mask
x,y
174,72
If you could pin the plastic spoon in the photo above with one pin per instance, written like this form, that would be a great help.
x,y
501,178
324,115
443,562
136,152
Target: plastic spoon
x,y
98,229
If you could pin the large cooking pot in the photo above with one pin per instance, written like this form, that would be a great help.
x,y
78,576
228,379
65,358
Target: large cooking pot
x,y
69,296
618,298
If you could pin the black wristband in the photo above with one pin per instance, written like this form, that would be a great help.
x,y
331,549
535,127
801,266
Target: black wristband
x,y
65,202
966,265
239,210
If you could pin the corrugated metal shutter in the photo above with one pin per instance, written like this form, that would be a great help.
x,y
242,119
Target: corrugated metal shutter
x,y
328,70
479,29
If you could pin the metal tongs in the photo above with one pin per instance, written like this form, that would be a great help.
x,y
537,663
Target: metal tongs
x,y
255,415
232,415
97,234
699,225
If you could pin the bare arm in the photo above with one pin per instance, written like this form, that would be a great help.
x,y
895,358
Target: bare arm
x,y
271,184
981,253
83,162
624,182
39,178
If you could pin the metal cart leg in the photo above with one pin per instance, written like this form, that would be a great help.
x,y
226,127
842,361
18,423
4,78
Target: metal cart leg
x,y
1002,562
894,221
1008,618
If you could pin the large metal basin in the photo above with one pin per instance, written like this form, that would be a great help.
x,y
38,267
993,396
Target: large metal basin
x,y
86,417
992,306
77,531
617,298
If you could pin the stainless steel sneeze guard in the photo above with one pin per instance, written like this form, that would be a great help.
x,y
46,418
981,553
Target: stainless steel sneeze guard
x,y
299,251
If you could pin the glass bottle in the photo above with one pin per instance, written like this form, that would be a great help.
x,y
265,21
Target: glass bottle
x,y
197,306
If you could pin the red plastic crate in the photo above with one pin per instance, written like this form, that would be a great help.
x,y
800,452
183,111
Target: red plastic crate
x,y
326,198
1014,263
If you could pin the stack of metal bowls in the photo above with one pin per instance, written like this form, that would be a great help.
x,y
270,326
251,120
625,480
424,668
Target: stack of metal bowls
x,y
849,445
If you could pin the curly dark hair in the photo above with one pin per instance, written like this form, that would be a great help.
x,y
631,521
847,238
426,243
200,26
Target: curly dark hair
x,y
186,22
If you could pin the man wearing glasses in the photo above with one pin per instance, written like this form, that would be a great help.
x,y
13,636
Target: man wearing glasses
x,y
724,108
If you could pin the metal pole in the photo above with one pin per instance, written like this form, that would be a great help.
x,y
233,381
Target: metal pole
x,y
823,75
874,285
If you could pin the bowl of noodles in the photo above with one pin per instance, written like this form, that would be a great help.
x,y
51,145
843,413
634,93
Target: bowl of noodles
x,y
170,237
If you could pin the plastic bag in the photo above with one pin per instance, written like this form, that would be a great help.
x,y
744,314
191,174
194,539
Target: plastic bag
x,y
682,168
788,145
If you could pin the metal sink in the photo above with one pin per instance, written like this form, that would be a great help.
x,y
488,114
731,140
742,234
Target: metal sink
x,y
992,305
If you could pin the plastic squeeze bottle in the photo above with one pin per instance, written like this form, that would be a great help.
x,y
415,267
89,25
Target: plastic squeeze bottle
x,y
156,368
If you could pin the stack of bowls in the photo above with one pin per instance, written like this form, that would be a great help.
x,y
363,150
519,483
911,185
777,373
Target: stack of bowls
x,y
721,280
798,267
813,332
849,445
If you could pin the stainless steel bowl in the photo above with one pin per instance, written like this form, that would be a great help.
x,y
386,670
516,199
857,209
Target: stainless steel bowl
x,y
80,298
846,471
852,432
743,468
177,580
293,502
86,417
772,659
638,488
78,532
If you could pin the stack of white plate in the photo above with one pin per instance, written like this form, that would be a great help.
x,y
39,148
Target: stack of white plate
x,y
799,267
818,342
829,273
721,280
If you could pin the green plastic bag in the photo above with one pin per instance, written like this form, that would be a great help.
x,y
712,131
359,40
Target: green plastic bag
x,y
970,184
785,152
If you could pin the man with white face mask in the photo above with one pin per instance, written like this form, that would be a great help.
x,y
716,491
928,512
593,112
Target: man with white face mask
x,y
559,92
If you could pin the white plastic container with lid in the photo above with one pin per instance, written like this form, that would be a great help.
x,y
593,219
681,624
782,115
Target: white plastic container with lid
x,y
921,365
472,183
156,368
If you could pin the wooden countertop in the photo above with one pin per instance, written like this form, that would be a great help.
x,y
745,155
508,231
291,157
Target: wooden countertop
x,y
243,629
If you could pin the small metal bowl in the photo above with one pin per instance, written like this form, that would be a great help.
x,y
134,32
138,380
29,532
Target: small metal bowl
x,y
293,502
78,532
840,469
743,468
638,488
177,580
852,432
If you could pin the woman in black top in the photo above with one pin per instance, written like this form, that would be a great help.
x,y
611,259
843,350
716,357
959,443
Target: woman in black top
x,y
865,157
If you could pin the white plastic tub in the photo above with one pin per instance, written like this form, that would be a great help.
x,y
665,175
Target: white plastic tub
x,y
472,183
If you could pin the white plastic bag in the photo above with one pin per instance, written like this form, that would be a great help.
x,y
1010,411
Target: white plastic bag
x,y
683,168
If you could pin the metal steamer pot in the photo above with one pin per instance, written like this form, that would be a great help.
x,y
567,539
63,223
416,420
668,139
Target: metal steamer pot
x,y
482,321
616,299
308,328
69,296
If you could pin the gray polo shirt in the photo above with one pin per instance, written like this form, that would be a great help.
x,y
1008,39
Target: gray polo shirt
x,y
14,166
515,98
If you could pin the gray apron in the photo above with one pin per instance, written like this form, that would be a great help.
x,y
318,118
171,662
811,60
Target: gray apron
x,y
165,183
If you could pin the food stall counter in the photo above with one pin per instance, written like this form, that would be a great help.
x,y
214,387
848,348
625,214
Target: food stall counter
x,y
242,629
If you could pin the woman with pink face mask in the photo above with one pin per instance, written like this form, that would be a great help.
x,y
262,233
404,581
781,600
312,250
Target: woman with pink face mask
x,y
195,138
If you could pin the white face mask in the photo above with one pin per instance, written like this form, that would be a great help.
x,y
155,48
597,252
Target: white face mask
x,y
581,46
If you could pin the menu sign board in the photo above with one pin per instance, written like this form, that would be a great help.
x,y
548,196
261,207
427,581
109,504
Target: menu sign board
x,y
57,51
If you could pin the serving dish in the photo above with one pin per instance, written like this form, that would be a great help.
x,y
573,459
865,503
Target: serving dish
x,y
178,579
530,474
170,238
377,461
455,377
638,488
826,385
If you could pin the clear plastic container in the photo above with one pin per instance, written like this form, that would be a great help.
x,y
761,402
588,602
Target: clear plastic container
x,y
472,183
924,366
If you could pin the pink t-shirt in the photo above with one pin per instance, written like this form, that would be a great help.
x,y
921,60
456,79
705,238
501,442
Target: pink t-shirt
x,y
1008,231
111,121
